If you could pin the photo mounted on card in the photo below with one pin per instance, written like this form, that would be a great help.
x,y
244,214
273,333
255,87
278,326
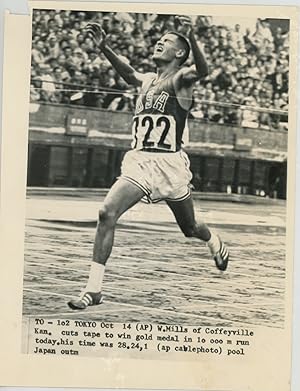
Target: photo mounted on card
x,y
159,199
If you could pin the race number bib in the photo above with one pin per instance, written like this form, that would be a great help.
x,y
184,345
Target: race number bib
x,y
154,131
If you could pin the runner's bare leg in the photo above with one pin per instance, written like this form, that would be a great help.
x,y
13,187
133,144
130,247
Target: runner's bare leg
x,y
122,196
185,217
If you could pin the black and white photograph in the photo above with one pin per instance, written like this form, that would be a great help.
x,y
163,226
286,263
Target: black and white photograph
x,y
191,111
155,230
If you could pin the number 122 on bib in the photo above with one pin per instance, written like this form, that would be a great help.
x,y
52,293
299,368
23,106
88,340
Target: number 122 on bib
x,y
154,132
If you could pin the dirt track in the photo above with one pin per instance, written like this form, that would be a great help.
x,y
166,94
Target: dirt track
x,y
155,274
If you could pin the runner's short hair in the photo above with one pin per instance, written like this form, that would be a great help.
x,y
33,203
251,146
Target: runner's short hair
x,y
185,44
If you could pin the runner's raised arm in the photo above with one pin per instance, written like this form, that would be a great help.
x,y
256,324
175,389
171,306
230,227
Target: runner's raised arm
x,y
126,71
200,68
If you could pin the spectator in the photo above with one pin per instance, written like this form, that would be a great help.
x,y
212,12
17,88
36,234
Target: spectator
x,y
262,33
53,46
249,115
279,79
252,70
35,96
264,117
94,97
75,29
47,83
197,110
51,26
94,60
225,78
237,36
38,53
279,38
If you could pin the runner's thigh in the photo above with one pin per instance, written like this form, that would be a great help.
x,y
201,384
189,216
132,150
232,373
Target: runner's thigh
x,y
183,212
122,196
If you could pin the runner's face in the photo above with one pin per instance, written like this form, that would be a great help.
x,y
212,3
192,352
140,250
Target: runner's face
x,y
166,48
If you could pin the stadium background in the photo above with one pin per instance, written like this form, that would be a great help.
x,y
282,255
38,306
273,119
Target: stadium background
x,y
80,110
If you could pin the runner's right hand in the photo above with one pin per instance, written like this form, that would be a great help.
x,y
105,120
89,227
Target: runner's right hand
x,y
184,24
96,32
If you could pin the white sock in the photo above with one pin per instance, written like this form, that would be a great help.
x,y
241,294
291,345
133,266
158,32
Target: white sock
x,y
95,280
214,243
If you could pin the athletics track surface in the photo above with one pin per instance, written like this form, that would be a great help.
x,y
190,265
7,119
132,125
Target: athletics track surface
x,y
155,274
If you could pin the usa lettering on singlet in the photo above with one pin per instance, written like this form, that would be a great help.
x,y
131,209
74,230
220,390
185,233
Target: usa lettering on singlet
x,y
159,120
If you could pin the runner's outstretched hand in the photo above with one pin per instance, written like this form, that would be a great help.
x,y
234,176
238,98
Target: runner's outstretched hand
x,y
184,24
96,32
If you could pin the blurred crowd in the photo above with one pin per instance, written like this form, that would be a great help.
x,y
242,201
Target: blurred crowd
x,y
247,84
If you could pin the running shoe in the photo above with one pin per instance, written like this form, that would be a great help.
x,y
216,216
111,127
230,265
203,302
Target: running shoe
x,y
86,299
222,257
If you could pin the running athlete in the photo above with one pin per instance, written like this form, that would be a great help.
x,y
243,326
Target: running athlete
x,y
156,168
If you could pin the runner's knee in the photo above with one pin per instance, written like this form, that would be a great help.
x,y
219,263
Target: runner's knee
x,y
107,216
189,230
199,231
